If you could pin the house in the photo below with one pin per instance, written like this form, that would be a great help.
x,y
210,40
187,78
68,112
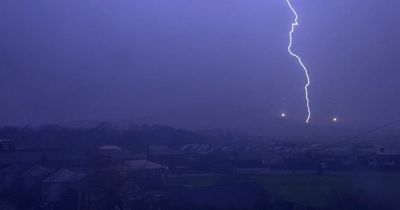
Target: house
x,y
114,152
11,175
197,150
47,156
60,182
109,157
137,166
147,173
7,145
389,162
34,175
250,158
167,156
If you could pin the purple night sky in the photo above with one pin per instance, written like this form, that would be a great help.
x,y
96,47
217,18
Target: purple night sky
x,y
198,63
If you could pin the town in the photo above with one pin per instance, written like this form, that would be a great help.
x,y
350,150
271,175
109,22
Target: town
x,y
160,167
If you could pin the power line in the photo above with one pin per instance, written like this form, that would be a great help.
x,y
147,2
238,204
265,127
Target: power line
x,y
358,135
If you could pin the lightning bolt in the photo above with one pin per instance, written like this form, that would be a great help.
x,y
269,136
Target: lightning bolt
x,y
294,24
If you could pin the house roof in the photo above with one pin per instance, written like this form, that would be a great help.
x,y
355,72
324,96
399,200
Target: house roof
x,y
64,175
7,140
138,165
250,155
198,148
163,150
38,171
13,169
122,154
29,156
110,147
20,156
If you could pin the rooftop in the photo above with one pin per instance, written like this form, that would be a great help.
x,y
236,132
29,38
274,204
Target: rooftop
x,y
138,165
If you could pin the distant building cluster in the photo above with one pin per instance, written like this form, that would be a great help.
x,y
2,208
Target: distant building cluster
x,y
112,177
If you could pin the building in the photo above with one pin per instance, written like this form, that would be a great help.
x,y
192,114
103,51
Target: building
x,y
59,183
167,156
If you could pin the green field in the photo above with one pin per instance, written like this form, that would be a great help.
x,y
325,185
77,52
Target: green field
x,y
309,189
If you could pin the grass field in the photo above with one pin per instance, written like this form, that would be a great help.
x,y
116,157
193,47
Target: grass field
x,y
309,189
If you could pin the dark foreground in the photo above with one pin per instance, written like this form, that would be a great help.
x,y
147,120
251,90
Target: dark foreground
x,y
157,167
